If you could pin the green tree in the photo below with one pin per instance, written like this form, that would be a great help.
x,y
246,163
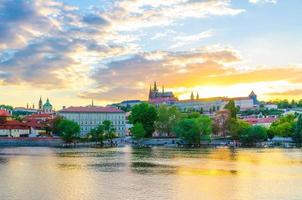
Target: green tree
x,y
138,131
109,131
145,114
193,115
238,128
298,131
188,130
205,127
167,118
283,127
232,108
6,107
54,125
254,134
97,134
69,130
193,130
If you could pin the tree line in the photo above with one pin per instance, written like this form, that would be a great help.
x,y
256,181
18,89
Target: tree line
x,y
194,127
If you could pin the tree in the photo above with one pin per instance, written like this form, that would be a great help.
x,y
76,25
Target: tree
x,y
54,125
232,108
188,130
298,131
138,131
283,127
69,130
238,128
205,127
145,114
221,122
167,119
109,131
193,115
193,130
97,134
254,134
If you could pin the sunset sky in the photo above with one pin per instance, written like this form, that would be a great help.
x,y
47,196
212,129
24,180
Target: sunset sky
x,y
75,50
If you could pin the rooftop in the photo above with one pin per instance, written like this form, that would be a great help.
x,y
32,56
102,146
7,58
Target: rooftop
x,y
4,113
91,109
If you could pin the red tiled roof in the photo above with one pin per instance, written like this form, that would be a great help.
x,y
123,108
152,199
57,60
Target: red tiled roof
x,y
260,120
13,124
91,109
42,115
34,123
4,113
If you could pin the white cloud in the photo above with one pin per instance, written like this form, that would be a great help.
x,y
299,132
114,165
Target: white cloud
x,y
262,1
189,39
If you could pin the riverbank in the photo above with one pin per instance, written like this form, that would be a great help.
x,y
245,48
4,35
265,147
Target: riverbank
x,y
128,141
31,142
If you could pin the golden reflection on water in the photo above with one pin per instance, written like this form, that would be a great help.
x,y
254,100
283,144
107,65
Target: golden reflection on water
x,y
157,173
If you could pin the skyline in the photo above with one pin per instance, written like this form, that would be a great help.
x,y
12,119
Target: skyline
x,y
72,51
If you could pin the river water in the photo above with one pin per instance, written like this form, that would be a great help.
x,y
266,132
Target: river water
x,y
157,173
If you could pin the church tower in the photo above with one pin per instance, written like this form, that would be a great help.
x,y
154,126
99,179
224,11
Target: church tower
x,y
192,96
40,104
155,86
197,96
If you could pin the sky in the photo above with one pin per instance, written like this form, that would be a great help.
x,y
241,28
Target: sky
x,y
71,51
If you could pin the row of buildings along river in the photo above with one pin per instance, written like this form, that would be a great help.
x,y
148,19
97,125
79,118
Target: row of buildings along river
x,y
88,117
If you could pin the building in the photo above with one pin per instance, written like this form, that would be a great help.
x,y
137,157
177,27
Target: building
x,y
161,97
265,122
47,107
129,103
271,106
12,128
244,103
126,104
90,117
204,104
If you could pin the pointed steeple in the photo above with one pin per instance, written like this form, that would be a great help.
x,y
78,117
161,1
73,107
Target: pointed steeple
x,y
192,96
155,86
92,102
40,103
33,106
150,92
163,89
27,106
197,96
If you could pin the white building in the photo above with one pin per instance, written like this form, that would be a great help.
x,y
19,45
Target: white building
x,y
244,103
91,116
271,106
12,128
205,104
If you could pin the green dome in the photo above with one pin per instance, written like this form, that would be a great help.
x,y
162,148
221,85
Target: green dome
x,y
47,105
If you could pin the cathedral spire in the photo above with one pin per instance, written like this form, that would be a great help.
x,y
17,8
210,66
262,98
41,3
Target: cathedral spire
x,y
163,89
92,102
192,96
155,86
197,96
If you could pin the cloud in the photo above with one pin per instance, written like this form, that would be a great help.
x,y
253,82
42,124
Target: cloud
x,y
129,15
263,1
189,39
296,92
130,76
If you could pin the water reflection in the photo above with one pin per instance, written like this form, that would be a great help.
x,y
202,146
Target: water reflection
x,y
154,173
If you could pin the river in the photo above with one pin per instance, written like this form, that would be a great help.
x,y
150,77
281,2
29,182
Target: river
x,y
124,173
